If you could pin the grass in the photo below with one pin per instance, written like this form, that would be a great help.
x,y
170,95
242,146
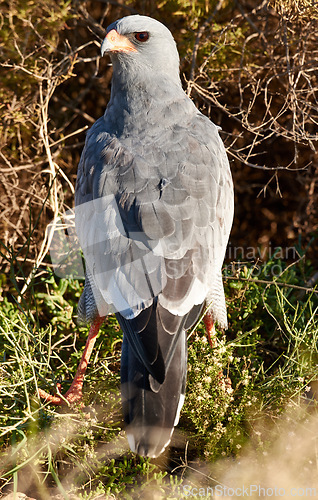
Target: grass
x,y
238,394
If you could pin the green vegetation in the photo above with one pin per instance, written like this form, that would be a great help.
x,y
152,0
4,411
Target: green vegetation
x,y
266,361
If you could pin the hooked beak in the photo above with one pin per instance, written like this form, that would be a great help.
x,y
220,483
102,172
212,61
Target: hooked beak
x,y
114,42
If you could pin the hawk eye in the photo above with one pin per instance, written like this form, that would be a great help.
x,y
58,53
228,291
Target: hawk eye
x,y
142,36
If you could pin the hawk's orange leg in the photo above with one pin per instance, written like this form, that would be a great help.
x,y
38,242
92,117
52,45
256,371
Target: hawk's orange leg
x,y
224,381
210,329
74,394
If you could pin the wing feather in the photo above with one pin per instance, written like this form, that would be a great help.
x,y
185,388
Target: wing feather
x,y
174,195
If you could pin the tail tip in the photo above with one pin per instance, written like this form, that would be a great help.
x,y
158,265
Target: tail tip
x,y
151,443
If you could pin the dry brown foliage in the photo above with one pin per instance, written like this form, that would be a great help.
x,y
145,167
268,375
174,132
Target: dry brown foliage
x,y
251,66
